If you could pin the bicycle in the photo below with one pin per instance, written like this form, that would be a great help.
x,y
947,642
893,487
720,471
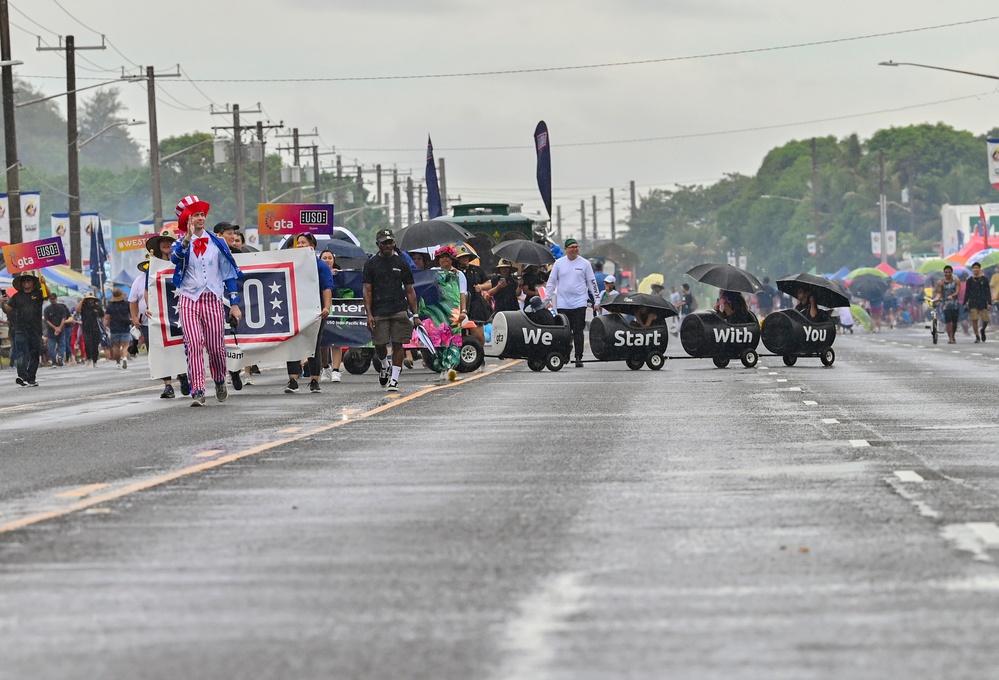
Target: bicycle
x,y
934,319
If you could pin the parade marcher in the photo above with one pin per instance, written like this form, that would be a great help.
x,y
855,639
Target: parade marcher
x,y
24,310
307,240
332,355
479,309
570,283
58,322
117,320
688,304
230,234
765,298
391,307
978,299
531,281
91,318
732,307
610,288
504,287
204,272
160,247
674,322
947,292
599,275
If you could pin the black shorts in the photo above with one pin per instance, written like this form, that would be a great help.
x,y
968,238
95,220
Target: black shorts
x,y
951,315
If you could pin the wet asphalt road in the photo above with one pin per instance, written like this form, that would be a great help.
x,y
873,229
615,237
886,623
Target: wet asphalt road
x,y
594,523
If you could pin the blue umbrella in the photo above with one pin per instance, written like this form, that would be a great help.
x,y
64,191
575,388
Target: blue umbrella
x,y
908,278
342,248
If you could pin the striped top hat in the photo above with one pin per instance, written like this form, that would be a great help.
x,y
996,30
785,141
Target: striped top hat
x,y
187,207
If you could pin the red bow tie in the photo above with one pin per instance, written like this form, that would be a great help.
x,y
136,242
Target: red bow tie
x,y
200,245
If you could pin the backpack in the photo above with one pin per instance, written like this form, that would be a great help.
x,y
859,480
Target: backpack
x,y
693,303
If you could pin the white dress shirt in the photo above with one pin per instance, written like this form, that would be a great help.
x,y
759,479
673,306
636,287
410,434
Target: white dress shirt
x,y
202,273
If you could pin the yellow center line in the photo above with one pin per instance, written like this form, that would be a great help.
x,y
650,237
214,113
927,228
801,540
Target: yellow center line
x,y
82,491
290,430
135,487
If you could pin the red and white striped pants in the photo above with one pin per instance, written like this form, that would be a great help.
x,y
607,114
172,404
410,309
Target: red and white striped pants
x,y
203,321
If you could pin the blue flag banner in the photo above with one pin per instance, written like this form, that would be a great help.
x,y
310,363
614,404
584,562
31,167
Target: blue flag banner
x,y
543,147
434,209
98,256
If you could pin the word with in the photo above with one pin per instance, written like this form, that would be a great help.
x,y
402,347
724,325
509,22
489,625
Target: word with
x,y
726,335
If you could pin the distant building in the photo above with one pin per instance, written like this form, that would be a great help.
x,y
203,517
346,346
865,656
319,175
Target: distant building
x,y
960,221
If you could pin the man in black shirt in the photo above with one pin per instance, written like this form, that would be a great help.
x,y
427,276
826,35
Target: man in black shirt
x,y
58,328
24,311
978,299
504,288
389,302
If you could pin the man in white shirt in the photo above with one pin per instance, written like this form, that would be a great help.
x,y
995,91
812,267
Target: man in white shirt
x,y
570,285
205,271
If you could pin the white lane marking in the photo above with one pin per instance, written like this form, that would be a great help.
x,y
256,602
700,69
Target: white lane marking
x,y
909,476
976,354
905,492
793,389
858,443
830,421
973,537
529,636
808,402
781,379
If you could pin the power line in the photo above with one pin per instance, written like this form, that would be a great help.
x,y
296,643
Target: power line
x,y
612,64
188,78
21,12
691,135
104,37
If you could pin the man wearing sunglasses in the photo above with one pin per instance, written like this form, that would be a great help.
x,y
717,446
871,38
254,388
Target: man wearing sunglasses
x,y
571,284
391,307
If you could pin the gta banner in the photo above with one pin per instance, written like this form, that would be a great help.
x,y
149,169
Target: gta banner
x,y
281,311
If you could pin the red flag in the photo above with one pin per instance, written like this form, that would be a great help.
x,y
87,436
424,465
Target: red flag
x,y
984,223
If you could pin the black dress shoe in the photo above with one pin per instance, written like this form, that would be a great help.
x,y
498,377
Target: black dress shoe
x,y
579,363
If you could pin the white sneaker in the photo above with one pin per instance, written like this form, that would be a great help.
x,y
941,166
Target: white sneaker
x,y
327,374
334,376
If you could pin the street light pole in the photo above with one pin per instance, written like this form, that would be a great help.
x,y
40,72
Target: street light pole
x,y
938,68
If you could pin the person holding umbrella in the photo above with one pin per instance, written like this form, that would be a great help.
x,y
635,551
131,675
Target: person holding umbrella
x,y
732,307
569,283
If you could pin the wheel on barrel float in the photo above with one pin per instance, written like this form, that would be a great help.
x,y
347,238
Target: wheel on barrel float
x,y
790,359
749,358
720,362
555,362
655,361
635,363
536,364
356,361
471,356
828,356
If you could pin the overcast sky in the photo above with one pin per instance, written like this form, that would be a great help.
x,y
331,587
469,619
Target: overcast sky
x,y
705,105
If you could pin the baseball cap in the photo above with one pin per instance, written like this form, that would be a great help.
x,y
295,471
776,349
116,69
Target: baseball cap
x,y
610,279
223,226
384,235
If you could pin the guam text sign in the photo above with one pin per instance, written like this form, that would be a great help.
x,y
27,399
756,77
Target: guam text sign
x,y
22,257
295,218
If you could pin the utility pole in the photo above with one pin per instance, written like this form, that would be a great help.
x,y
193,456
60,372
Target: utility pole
x,y
315,177
582,219
443,182
396,200
558,223
613,225
237,147
10,136
339,185
594,219
378,191
419,201
815,204
154,143
72,147
360,198
884,207
411,206
296,151
634,205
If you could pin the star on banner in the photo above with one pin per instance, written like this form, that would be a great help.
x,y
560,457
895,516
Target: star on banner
x,y
275,288
276,303
277,319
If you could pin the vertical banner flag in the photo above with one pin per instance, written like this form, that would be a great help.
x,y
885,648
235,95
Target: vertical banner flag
x,y
4,219
98,256
281,311
984,224
60,228
993,146
434,209
88,225
31,215
543,148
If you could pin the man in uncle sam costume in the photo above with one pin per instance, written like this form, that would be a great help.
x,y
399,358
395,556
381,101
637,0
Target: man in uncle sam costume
x,y
204,272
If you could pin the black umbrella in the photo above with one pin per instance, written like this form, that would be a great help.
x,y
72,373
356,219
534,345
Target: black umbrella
x,y
726,277
869,286
430,233
827,293
522,251
342,248
628,303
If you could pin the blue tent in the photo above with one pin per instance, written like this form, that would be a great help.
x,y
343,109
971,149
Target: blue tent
x,y
839,274
123,279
